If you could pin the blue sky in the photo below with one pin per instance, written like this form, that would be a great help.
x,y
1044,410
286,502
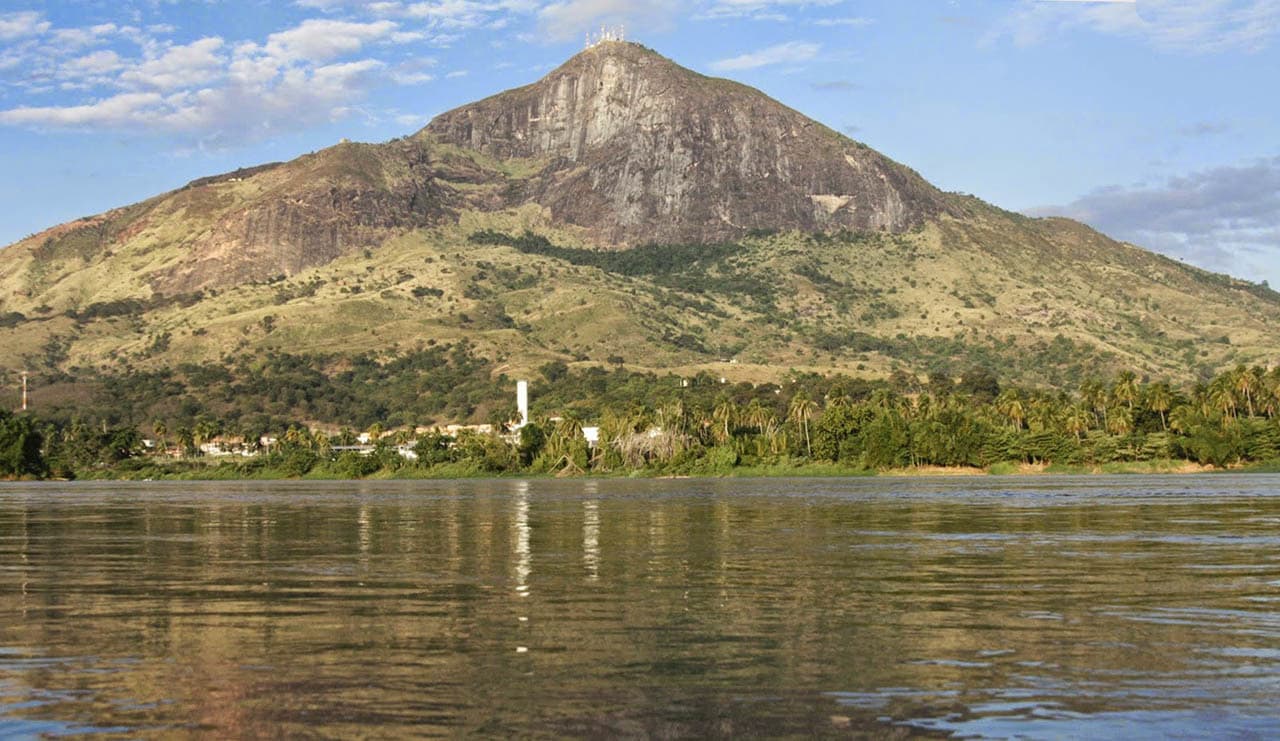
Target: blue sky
x,y
1156,121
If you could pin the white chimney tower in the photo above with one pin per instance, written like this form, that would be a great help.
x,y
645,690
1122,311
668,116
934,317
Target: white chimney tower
x,y
522,401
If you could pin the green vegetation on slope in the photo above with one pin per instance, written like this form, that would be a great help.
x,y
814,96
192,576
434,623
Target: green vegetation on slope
x,y
1045,303
655,424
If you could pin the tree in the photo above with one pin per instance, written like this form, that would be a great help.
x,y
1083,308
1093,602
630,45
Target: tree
x,y
1077,420
674,417
1120,421
1160,400
725,417
756,416
1247,381
187,440
1270,393
1009,405
554,371
1222,396
566,447
160,429
1125,390
20,445
1095,395
501,417
205,429
532,440
940,383
322,445
980,383
1043,414
800,412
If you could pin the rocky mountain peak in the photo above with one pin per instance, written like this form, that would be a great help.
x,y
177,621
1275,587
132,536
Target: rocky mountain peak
x,y
640,149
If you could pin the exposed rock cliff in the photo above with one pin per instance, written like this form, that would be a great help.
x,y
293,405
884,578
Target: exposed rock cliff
x,y
640,149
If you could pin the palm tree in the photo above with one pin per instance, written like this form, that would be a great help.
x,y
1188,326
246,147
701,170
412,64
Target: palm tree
x,y
204,431
755,415
673,417
566,447
297,437
1270,393
1009,404
1182,418
1222,396
1247,381
1160,399
1121,421
761,419
1095,395
724,416
161,429
800,412
1043,414
1125,390
1076,420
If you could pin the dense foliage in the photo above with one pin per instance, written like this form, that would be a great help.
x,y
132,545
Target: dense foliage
x,y
20,447
646,421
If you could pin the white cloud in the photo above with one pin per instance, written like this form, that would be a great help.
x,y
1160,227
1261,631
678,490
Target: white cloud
x,y
1225,218
1195,26
569,19
788,53
319,39
121,110
22,25
760,9
412,120
179,66
97,63
218,93
851,22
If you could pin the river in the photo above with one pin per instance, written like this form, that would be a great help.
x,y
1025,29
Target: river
x,y
1043,607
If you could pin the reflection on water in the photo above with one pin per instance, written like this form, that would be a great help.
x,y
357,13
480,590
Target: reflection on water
x,y
591,538
1098,607
524,556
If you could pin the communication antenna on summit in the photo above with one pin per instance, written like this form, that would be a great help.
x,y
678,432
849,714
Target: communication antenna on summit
x,y
618,33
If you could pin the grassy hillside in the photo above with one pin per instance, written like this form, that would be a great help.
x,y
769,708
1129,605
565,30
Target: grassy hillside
x,y
467,230
1044,301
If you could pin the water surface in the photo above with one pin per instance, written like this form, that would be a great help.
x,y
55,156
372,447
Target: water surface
x,y
1100,607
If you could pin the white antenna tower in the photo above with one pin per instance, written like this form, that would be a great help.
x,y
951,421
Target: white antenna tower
x,y
607,33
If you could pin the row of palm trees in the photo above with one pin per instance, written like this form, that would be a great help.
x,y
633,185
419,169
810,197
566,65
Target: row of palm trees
x,y
1120,408
798,422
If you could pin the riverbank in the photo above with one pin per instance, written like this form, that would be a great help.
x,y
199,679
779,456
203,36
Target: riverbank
x,y
203,470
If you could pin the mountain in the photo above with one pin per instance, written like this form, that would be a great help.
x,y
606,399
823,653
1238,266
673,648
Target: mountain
x,y
638,149
622,207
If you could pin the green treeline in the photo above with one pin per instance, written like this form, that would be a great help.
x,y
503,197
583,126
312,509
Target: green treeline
x,y
647,423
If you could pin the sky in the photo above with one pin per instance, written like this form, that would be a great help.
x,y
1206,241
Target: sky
x,y
1156,121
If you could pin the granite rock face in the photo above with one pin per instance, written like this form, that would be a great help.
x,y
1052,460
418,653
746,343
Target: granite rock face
x,y
619,141
639,149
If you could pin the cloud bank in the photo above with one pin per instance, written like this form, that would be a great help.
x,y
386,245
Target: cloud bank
x,y
1225,219
1178,26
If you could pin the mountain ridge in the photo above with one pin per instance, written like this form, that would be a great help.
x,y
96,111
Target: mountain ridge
x,y
792,247
669,155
